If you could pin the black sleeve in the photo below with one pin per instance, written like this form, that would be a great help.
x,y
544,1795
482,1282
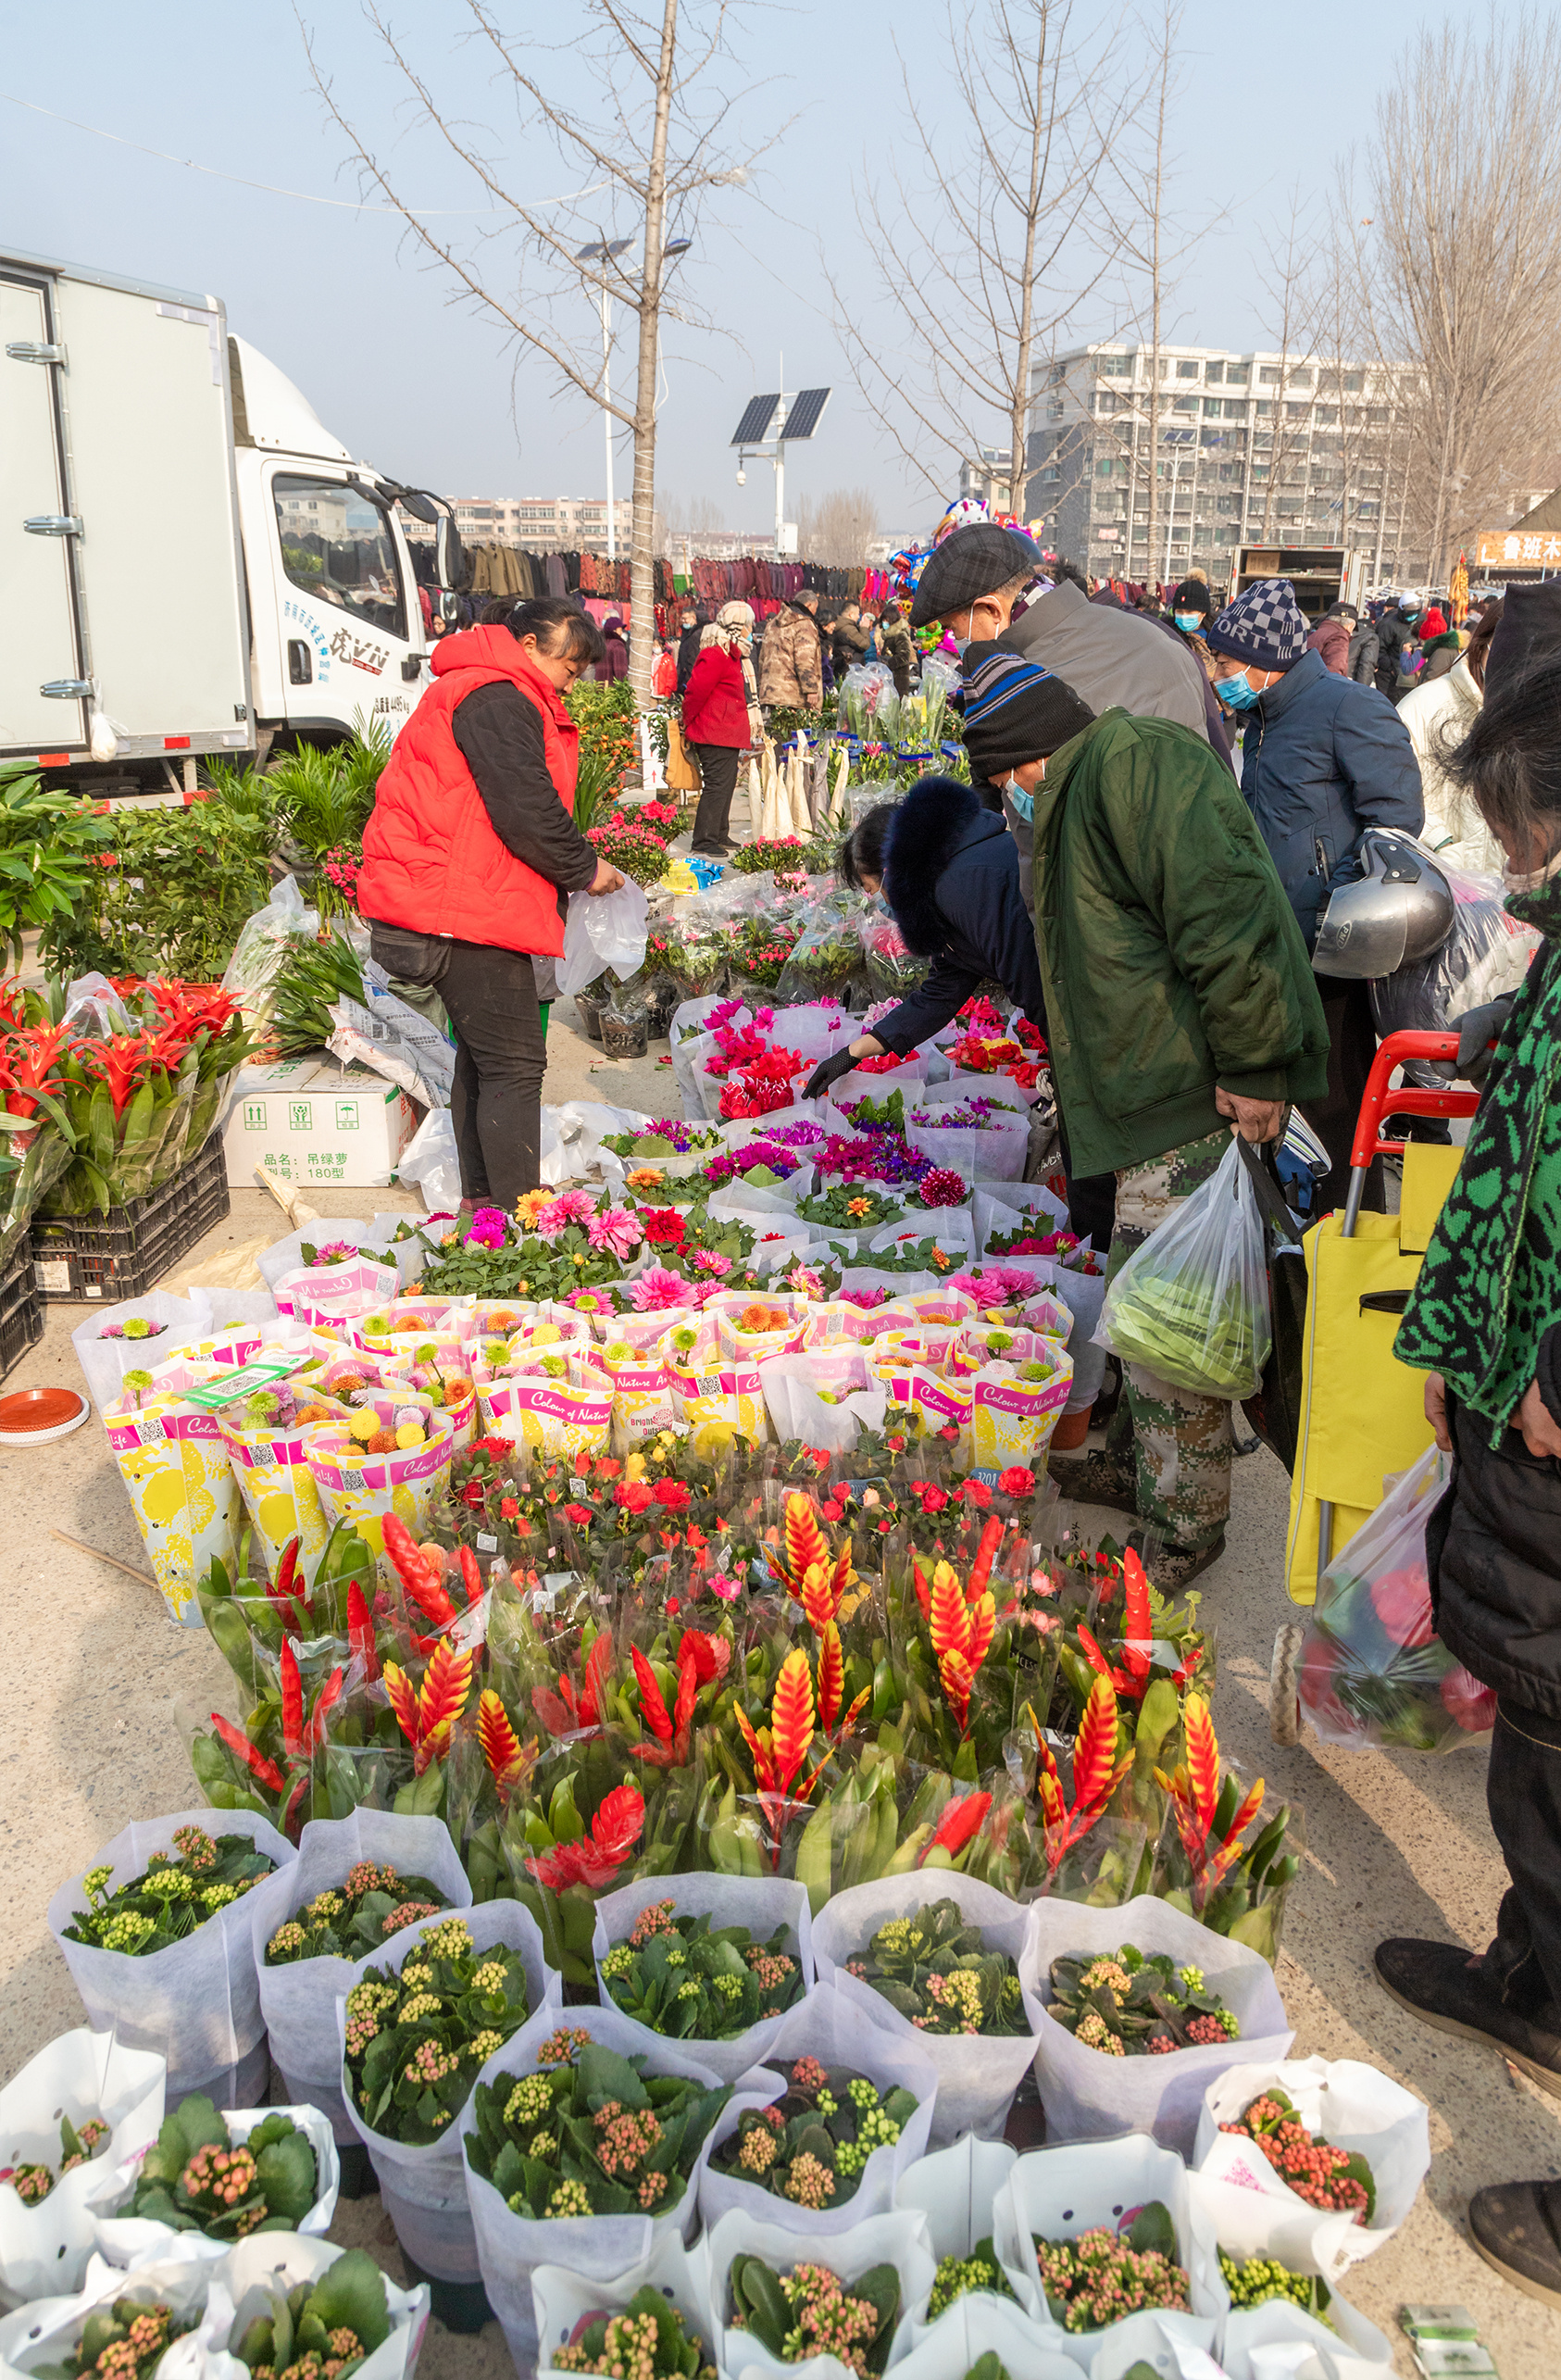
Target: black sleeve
x,y
500,736
986,909
939,997
1547,1372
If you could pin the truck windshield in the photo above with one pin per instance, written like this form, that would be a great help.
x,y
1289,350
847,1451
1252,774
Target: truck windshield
x,y
337,547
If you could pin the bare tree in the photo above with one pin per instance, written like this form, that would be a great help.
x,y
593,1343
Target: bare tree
x,y
1464,264
647,155
982,260
838,528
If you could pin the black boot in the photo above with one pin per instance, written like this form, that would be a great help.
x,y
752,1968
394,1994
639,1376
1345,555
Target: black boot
x,y
1516,2228
1448,1987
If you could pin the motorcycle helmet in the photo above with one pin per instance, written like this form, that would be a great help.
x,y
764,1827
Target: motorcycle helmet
x,y
1398,908
1303,1165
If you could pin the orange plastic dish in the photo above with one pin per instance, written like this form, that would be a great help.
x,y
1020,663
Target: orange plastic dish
x,y
30,1417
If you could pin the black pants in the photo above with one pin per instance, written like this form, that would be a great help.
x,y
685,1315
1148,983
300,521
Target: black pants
x,y
718,772
1523,1795
500,1059
1352,1045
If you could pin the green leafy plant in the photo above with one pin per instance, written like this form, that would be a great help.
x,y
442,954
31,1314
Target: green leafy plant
x,y
810,2311
348,1920
124,2341
648,2339
171,1897
321,2330
683,1977
195,2177
311,978
1099,2275
813,2144
590,2132
935,1968
77,2144
169,894
50,849
606,716
324,798
415,2040
957,2275
1131,2006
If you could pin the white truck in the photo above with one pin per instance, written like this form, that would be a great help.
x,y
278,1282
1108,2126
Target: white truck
x,y
192,564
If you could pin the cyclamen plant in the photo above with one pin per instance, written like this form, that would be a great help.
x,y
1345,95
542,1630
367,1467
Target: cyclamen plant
x,y
813,2144
78,2143
811,2311
415,2040
681,1977
1131,2006
350,1920
1334,2179
171,1897
590,2132
195,2177
935,1968
649,2340
1100,2276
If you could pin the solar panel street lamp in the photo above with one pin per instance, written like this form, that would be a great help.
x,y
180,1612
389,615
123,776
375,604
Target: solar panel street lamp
x,y
756,436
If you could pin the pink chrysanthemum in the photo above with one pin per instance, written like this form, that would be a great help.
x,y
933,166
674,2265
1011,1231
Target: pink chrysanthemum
x,y
709,1260
616,1230
656,1289
569,1207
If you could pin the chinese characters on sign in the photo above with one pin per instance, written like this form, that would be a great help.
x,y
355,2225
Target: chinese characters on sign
x,y
1524,549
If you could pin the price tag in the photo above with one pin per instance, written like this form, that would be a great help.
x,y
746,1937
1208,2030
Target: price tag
x,y
485,1543
578,1486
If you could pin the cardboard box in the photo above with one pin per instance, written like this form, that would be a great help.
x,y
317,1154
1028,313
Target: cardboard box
x,y
314,1121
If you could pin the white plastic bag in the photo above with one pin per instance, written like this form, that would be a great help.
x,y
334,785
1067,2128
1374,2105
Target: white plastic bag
x,y
983,2323
298,1999
761,1903
424,2188
956,2190
1354,2107
1089,2096
430,1165
43,2249
562,2299
897,2239
395,1040
976,2075
602,931
814,1029
127,2240
791,1385
827,2027
1054,2194
198,2003
509,2247
1192,1304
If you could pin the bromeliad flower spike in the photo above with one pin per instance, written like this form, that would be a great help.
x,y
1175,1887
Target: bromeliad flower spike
x,y
1096,1774
960,1620
1212,1849
427,1714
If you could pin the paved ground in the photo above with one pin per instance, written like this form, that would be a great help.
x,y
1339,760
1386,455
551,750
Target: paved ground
x,y
1399,1844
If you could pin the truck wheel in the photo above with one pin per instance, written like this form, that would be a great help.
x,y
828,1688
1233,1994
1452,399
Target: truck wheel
x,y
1284,1683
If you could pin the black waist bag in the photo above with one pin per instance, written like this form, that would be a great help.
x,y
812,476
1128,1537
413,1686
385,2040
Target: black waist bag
x,y
419,958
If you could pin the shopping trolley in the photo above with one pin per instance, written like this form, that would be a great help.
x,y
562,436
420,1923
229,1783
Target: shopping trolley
x,y
1362,1411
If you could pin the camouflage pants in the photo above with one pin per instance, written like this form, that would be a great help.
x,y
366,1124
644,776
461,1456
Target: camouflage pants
x,y
1177,1442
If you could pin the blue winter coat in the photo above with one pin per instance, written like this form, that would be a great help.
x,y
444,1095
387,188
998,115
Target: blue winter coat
x,y
1324,758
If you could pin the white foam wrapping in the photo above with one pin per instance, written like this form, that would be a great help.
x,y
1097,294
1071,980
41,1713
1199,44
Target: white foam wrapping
x,y
562,2299
949,1227
977,2324
424,2188
298,2000
43,2249
993,1153
814,1029
1057,2192
1000,1207
184,1323
198,2003
761,1903
1266,2342
1165,2343
978,2075
47,2331
829,2028
898,2239
241,2290
510,2247
1351,2106
129,2240
1090,2095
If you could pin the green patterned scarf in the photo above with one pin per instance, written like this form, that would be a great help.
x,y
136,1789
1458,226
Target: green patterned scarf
x,y
1491,1283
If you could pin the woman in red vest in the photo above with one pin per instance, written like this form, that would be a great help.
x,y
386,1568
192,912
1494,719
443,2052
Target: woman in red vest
x,y
717,726
468,858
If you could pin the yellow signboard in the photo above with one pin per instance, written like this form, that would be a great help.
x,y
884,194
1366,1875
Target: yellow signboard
x,y
1522,549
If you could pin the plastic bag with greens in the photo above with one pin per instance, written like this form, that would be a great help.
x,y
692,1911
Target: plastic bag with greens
x,y
1192,1304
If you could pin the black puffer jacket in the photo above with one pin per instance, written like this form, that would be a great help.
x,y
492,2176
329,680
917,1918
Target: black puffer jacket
x,y
952,882
1491,1548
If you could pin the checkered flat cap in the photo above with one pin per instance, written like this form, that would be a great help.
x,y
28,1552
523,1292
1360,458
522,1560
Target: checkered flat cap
x,y
973,562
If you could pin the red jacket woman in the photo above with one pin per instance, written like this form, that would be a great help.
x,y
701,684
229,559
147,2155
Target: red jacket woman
x,y
716,729
467,860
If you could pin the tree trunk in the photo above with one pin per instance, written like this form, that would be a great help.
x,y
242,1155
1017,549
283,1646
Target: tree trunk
x,y
642,534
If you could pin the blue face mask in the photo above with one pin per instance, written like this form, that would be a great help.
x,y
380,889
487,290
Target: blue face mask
x,y
1024,803
1236,693
1188,620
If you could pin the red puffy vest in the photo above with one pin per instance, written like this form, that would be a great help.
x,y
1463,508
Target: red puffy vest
x,y
430,858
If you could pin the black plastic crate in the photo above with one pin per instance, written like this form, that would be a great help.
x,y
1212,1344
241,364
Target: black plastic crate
x,y
107,1259
21,1309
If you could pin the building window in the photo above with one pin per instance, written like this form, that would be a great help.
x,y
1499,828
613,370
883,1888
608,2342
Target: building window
x,y
1296,412
1115,366
1237,375
1104,470
1302,376
1186,371
1269,374
1354,383
1214,373
1235,408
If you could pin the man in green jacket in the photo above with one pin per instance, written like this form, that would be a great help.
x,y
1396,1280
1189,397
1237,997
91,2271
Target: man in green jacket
x,y
1180,1006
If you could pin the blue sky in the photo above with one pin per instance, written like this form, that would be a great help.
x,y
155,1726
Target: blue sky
x,y
414,380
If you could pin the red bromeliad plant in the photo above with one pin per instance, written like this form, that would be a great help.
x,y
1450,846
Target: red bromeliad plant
x,y
1097,1772
960,1620
573,1711
509,1761
1210,1835
427,1714
778,1751
805,1569
596,1859
422,1571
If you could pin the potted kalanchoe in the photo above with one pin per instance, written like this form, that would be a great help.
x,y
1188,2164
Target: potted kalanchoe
x,y
1334,2179
126,2340
171,1897
357,1917
590,2132
415,2040
196,2177
1255,2280
813,2144
960,2276
78,2144
1099,2276
1127,2005
811,2310
681,1976
322,2329
649,2339
935,1968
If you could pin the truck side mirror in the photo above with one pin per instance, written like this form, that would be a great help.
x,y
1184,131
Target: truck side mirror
x,y
449,556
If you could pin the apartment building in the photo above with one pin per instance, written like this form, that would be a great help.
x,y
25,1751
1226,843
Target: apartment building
x,y
1245,448
548,524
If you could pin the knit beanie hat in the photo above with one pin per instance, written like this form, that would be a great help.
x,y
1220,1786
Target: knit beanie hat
x,y
1014,711
1528,633
1192,594
972,563
1264,628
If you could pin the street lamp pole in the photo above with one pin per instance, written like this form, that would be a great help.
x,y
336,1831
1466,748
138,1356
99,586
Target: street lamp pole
x,y
608,420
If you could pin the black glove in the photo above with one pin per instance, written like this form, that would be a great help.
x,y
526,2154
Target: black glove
x,y
1477,1029
830,1072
